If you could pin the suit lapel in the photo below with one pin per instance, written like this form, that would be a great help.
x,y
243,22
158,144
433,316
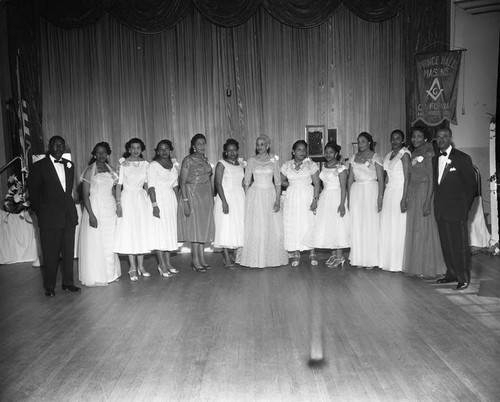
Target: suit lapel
x,y
67,176
54,174
448,165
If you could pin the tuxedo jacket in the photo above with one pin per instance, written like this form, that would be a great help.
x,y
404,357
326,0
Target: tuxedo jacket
x,y
50,202
453,197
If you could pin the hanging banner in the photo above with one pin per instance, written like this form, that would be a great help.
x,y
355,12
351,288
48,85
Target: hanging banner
x,y
436,87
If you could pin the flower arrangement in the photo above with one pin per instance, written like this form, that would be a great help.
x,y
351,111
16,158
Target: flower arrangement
x,y
16,200
275,158
242,162
370,164
417,159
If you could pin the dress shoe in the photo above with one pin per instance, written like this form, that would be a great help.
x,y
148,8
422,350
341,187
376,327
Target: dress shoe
x,y
446,280
50,292
71,288
462,285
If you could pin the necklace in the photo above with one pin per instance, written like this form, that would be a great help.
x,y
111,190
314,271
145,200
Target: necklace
x,y
297,165
235,163
329,165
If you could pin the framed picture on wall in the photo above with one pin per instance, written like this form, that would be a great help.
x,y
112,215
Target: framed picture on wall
x,y
315,138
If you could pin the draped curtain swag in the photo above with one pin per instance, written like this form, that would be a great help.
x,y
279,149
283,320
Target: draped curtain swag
x,y
153,16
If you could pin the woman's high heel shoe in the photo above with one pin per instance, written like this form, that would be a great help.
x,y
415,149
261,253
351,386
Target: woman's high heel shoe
x,y
330,261
312,257
173,270
296,259
142,271
338,262
206,266
166,273
201,269
133,275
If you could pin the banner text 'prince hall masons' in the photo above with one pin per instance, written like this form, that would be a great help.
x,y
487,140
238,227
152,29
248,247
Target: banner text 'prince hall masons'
x,y
437,87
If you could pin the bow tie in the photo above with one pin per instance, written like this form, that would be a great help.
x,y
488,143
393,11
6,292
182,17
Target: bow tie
x,y
59,161
443,153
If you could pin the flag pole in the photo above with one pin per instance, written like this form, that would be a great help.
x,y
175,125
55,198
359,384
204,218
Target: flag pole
x,y
20,114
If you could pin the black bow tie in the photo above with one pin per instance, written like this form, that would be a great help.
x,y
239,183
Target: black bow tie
x,y
59,161
443,153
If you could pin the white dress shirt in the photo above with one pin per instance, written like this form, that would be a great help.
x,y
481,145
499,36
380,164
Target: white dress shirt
x,y
442,163
60,172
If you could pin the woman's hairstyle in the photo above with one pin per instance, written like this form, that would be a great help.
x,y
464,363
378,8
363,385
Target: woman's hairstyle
x,y
102,144
400,132
195,138
423,130
168,143
230,141
336,148
129,143
296,144
266,140
368,138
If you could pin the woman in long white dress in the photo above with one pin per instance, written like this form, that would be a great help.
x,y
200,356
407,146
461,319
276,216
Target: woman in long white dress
x,y
301,177
98,264
366,191
133,229
331,224
163,173
393,214
229,208
263,246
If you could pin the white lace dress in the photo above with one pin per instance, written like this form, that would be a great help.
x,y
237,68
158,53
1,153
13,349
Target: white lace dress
x,y
164,228
133,229
392,221
97,263
230,227
297,215
263,245
329,229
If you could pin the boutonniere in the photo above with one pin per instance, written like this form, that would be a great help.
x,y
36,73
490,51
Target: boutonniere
x,y
275,158
369,163
417,159
242,162
448,161
68,165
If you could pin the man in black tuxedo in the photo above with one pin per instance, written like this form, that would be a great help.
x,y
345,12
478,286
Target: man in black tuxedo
x,y
454,189
50,188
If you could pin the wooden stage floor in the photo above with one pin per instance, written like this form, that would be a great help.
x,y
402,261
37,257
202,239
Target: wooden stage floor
x,y
245,335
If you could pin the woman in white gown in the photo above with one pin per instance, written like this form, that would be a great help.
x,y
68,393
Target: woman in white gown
x,y
393,215
263,245
301,177
366,191
163,186
133,229
229,208
98,264
331,226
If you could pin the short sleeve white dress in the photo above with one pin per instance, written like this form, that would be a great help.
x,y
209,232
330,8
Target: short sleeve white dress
x,y
164,229
133,229
297,215
329,229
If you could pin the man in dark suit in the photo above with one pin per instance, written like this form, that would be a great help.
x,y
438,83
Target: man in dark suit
x,y
50,188
454,189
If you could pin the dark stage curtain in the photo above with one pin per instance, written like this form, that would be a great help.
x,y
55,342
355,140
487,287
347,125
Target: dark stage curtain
x,y
153,16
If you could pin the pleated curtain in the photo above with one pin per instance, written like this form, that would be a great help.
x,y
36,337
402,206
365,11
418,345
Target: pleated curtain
x,y
108,82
